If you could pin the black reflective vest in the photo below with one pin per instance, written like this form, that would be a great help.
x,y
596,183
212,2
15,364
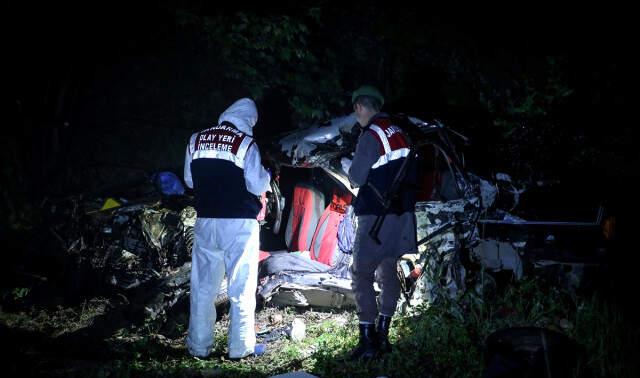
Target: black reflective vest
x,y
217,168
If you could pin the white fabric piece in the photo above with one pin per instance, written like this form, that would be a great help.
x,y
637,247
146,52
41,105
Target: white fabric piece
x,y
221,245
188,179
243,114
256,178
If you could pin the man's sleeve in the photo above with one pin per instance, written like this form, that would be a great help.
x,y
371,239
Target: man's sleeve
x,y
256,177
187,165
364,158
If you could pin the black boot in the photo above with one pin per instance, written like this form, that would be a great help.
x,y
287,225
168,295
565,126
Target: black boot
x,y
382,329
368,345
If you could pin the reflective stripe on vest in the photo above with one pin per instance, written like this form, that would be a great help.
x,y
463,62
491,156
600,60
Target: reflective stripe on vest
x,y
394,144
222,142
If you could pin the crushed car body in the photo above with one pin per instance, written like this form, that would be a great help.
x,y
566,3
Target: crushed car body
x,y
462,234
447,212
141,248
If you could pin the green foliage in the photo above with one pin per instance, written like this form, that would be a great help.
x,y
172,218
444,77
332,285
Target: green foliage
x,y
534,97
524,112
20,292
267,53
609,340
445,339
15,294
438,337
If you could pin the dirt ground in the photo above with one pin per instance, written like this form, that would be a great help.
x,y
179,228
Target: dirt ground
x,y
97,337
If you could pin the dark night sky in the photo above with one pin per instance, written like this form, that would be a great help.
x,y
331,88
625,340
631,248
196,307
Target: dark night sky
x,y
49,40
113,42
46,38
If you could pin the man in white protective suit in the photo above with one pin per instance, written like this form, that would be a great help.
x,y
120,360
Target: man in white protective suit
x,y
224,168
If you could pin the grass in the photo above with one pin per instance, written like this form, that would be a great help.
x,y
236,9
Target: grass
x,y
611,342
442,340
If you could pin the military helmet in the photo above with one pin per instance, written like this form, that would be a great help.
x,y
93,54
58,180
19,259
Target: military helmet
x,y
367,90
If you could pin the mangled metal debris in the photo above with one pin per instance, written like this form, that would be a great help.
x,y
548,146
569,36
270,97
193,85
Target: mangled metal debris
x,y
452,221
466,230
141,251
288,279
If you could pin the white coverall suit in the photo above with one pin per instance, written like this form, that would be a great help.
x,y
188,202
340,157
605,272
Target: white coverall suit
x,y
223,166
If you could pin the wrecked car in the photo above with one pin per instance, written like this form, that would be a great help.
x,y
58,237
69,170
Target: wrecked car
x,y
321,224
465,226
141,247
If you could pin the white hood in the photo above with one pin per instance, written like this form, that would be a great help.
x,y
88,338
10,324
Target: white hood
x,y
243,114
